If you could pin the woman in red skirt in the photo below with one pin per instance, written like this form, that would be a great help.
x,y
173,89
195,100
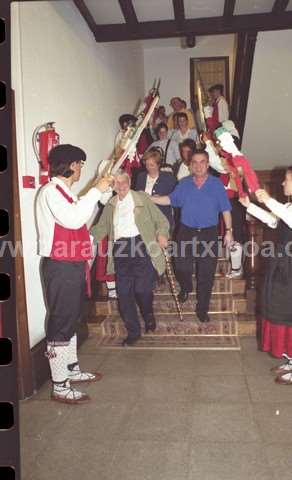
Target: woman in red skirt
x,y
276,310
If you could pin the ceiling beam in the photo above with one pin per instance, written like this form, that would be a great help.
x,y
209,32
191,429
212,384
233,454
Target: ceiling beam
x,y
200,26
80,4
229,6
129,14
179,13
280,6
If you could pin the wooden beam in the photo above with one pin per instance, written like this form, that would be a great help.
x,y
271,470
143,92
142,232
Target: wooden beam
x,y
280,6
25,381
229,6
129,14
80,4
179,13
246,43
200,26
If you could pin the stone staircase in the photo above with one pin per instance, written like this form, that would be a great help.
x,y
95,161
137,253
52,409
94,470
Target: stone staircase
x,y
228,318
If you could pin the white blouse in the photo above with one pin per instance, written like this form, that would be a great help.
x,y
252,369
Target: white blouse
x,y
278,211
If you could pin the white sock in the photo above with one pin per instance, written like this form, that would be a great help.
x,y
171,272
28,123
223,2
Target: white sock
x,y
58,360
72,350
111,285
236,256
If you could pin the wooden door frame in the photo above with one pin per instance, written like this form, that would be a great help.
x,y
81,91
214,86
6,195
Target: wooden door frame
x,y
193,60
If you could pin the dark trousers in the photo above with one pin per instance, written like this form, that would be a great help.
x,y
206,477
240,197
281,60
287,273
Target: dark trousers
x,y
65,294
135,280
199,246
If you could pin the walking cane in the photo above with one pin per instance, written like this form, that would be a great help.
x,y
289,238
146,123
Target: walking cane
x,y
170,277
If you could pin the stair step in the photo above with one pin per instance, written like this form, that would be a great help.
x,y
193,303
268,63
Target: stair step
x,y
166,325
166,304
221,285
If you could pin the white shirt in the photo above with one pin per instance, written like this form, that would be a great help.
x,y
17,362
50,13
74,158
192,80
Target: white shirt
x,y
183,171
172,154
278,209
150,182
179,137
124,219
52,207
214,159
223,110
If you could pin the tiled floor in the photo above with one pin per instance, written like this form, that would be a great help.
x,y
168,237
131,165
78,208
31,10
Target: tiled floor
x,y
156,415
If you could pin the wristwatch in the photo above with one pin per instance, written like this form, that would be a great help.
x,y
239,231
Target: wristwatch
x,y
229,229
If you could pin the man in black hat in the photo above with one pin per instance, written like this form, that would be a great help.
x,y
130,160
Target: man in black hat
x,y
65,246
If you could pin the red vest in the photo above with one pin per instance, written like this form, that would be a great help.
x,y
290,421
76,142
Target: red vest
x,y
70,245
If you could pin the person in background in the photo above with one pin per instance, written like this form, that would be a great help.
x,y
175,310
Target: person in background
x,y
179,105
168,146
187,147
137,232
155,182
220,164
159,117
202,198
184,131
276,304
218,112
65,248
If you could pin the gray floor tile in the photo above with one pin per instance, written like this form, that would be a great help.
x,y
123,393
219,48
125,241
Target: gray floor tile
x,y
217,363
70,459
150,461
224,423
171,364
126,363
263,389
151,420
258,363
220,388
280,460
37,417
228,461
167,389
275,422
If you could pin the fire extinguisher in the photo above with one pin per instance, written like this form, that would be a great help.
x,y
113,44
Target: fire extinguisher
x,y
44,139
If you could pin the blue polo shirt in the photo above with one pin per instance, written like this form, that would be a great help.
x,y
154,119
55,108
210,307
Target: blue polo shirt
x,y
200,207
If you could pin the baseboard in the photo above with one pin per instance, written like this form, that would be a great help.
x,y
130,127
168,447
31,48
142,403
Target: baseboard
x,y
40,364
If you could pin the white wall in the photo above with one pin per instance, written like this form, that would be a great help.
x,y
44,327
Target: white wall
x,y
59,73
268,128
172,64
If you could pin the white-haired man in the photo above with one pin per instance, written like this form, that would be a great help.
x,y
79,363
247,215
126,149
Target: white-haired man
x,y
137,232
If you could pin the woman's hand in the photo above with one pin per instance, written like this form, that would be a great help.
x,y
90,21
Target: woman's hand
x,y
262,196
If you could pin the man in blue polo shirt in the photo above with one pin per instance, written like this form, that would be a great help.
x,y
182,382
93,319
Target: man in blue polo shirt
x,y
201,198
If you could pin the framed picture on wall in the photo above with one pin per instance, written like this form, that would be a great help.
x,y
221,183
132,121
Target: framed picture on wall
x,y
209,71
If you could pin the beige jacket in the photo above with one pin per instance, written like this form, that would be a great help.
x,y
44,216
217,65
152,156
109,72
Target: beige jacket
x,y
150,223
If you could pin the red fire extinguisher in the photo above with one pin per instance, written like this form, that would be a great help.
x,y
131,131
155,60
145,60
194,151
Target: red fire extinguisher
x,y
44,139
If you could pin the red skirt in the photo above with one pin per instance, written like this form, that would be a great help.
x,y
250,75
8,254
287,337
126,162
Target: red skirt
x,y
101,262
276,339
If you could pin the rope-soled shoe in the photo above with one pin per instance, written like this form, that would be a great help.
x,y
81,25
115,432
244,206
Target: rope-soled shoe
x,y
76,376
284,368
64,393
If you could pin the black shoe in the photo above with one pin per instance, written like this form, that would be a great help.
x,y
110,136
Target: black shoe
x,y
183,296
203,318
129,341
150,326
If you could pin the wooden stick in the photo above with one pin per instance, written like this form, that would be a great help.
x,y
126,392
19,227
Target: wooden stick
x,y
170,277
